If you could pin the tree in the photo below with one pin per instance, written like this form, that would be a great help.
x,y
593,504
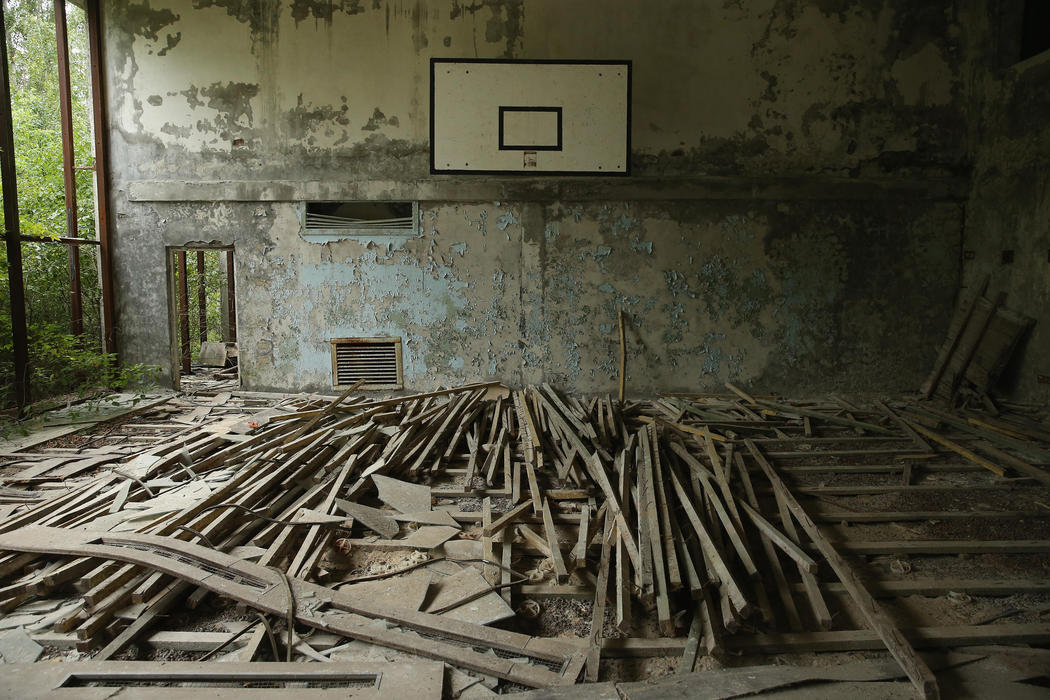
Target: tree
x,y
59,362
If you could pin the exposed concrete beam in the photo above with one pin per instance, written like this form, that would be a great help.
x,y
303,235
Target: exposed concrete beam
x,y
470,189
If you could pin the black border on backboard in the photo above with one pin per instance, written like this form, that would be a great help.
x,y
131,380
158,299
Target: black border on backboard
x,y
575,173
503,146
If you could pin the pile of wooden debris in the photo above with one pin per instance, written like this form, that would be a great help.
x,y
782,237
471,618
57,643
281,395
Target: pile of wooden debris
x,y
432,524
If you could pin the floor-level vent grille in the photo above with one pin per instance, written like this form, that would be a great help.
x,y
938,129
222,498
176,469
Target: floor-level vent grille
x,y
377,361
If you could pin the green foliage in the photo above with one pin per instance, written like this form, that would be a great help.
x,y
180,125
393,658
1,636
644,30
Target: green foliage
x,y
59,363
214,284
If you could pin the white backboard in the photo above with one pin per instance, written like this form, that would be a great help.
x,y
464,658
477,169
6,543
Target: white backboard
x,y
508,116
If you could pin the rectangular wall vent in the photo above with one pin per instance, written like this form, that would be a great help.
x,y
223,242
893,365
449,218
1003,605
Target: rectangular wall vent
x,y
361,217
375,360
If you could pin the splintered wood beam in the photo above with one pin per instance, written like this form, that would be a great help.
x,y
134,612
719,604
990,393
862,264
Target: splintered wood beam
x,y
326,411
707,481
623,567
578,556
488,552
959,449
916,669
650,509
601,589
553,544
674,574
826,417
507,518
711,554
780,540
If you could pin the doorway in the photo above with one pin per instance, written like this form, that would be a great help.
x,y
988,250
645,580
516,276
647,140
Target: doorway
x,y
203,316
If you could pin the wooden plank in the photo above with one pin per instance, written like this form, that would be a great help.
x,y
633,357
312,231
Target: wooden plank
x,y
534,487
959,449
711,553
507,518
692,644
598,611
944,586
905,547
560,571
488,551
674,574
1019,465
155,609
959,322
816,601
861,640
578,556
728,525
379,403
920,674
849,516
904,425
623,568
826,417
786,545
647,520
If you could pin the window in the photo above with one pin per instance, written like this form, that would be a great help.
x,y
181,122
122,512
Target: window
x,y
375,360
336,220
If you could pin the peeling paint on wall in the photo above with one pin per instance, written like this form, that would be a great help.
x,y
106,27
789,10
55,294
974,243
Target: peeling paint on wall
x,y
806,292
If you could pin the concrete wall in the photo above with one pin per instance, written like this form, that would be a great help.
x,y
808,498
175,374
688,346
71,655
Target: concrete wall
x,y
793,220
1009,205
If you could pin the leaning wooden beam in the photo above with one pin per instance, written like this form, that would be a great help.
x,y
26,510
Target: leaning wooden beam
x,y
554,545
270,591
707,481
920,674
840,640
325,412
783,590
507,518
601,589
390,402
780,540
955,333
736,595
827,417
959,449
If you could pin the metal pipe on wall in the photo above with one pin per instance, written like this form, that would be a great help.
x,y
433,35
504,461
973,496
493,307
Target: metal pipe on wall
x,y
66,113
109,330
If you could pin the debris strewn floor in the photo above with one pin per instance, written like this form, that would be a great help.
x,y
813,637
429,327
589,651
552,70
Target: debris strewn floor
x,y
533,539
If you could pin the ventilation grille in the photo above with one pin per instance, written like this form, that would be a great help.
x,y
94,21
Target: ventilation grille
x,y
377,361
367,217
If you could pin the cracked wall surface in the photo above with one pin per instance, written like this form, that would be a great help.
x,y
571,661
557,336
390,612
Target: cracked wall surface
x,y
1009,204
787,224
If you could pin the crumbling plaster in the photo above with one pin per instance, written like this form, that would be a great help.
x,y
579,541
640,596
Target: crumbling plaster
x,y
1009,208
756,239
